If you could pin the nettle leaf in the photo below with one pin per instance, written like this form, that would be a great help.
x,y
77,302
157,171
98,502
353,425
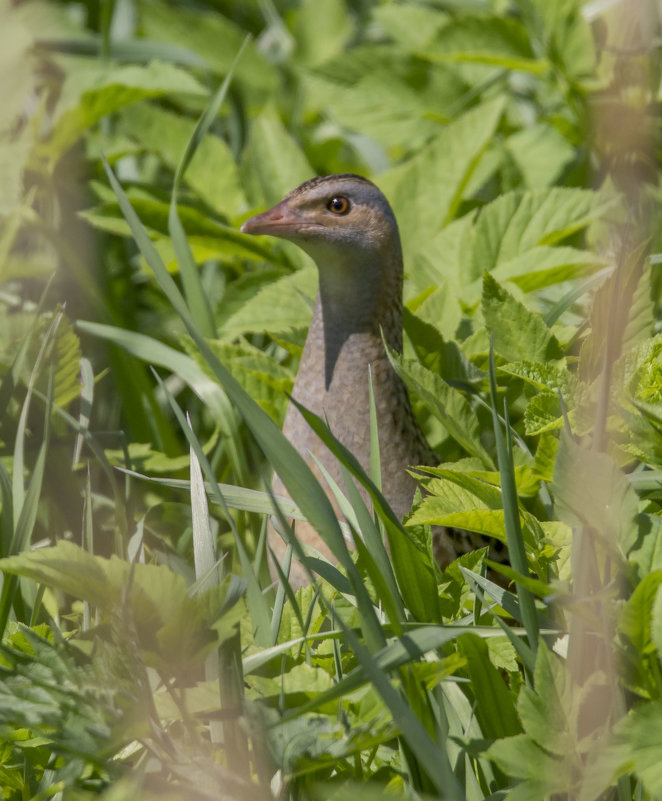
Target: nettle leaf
x,y
397,101
272,162
639,613
446,404
456,493
212,173
320,30
282,306
441,357
647,556
266,380
519,334
545,266
211,37
410,25
520,221
486,522
67,355
426,190
565,33
491,40
544,413
541,153
96,91
544,376
172,627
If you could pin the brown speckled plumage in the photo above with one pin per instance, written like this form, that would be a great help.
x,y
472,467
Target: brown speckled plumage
x,y
359,258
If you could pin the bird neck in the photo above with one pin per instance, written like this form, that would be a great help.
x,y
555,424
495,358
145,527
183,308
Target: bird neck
x,y
356,302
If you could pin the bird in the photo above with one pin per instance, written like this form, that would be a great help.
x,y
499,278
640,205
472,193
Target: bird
x,y
346,225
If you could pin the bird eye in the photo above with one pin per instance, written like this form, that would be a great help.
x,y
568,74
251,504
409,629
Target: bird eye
x,y
338,205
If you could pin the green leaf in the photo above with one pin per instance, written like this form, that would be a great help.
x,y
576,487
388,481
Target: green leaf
x,y
279,307
426,190
212,37
591,490
519,334
172,627
639,613
540,153
565,33
212,173
321,30
543,376
546,711
446,403
544,413
265,379
493,40
517,222
272,162
90,94
495,708
409,24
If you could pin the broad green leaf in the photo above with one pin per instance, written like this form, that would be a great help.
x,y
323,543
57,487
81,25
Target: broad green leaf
x,y
426,190
495,706
519,334
521,757
544,266
172,626
647,554
321,30
498,41
486,522
265,380
212,173
543,376
92,93
438,355
272,163
211,36
565,33
544,413
621,314
639,613
517,222
397,102
540,153
278,308
446,403
410,24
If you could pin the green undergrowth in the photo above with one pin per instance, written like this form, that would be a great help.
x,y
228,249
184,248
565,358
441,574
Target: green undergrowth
x,y
147,349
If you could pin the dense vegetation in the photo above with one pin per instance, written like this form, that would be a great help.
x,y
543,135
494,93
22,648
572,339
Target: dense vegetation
x,y
146,352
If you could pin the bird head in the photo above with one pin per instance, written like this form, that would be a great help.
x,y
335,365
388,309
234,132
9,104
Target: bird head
x,y
335,218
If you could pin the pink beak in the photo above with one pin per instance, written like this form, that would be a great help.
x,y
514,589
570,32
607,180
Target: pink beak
x,y
277,221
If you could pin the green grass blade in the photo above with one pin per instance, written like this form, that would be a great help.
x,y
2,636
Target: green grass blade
x,y
195,294
514,538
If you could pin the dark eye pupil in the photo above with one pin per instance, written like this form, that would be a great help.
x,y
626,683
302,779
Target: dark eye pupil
x,y
339,204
